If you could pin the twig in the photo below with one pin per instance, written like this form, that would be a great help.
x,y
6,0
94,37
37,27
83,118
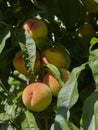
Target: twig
x,y
17,78
46,123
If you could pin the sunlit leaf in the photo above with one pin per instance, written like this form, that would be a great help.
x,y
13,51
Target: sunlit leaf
x,y
4,117
4,35
89,115
67,97
93,63
56,72
29,122
93,41
96,114
29,52
72,126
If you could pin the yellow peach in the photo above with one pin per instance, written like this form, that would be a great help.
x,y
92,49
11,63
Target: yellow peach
x,y
37,96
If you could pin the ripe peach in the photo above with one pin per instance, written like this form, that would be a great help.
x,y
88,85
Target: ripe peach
x,y
36,28
53,83
37,63
37,96
18,63
56,56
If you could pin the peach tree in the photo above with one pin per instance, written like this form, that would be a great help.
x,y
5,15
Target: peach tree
x,y
44,37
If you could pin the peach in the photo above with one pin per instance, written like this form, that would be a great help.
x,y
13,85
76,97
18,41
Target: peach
x,y
19,65
87,32
56,56
53,83
37,96
36,28
91,5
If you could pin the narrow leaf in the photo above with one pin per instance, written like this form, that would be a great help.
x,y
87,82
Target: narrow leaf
x,y
89,115
93,41
29,122
29,52
56,72
96,114
72,126
4,35
93,63
67,97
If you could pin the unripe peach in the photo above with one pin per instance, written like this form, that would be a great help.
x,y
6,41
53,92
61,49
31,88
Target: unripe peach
x,y
87,32
37,96
19,65
56,56
91,5
53,83
36,28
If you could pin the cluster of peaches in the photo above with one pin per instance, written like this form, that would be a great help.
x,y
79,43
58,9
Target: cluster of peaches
x,y
37,96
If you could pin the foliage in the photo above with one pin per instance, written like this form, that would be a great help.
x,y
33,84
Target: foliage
x,y
76,106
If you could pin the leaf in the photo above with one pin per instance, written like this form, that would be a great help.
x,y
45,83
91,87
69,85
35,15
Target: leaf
x,y
72,126
56,73
5,64
74,11
65,126
93,63
35,2
68,126
93,41
7,126
4,116
29,122
67,97
4,35
89,114
96,114
29,52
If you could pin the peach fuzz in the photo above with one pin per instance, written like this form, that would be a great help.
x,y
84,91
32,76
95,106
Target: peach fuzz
x,y
56,57
36,28
37,96
19,64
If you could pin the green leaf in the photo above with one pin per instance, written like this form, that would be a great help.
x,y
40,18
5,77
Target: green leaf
x,y
72,126
10,109
96,114
65,126
56,73
67,97
29,122
93,41
7,126
4,116
4,35
29,52
89,115
93,63
74,11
